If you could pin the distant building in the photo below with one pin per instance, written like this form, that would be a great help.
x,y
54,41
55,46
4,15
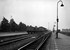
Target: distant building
x,y
66,30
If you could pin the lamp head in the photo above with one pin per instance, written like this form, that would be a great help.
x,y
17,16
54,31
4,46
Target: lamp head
x,y
54,25
62,5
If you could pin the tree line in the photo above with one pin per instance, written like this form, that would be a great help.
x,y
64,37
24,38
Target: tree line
x,y
12,26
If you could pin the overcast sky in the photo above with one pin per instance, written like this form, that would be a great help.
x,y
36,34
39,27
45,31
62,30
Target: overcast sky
x,y
36,12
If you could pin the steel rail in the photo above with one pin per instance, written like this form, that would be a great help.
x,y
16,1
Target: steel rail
x,y
11,41
43,42
34,41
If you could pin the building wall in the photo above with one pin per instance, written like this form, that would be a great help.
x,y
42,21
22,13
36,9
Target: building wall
x,y
66,30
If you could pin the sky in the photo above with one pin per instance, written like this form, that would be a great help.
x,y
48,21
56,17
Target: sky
x,y
36,12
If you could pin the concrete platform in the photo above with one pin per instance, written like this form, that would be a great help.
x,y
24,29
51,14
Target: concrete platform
x,y
62,43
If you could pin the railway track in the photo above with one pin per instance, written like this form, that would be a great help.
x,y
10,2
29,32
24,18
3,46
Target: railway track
x,y
6,40
24,42
36,45
14,43
12,40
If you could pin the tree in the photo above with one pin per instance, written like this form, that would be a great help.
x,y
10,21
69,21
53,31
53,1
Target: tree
x,y
42,29
13,26
22,27
4,25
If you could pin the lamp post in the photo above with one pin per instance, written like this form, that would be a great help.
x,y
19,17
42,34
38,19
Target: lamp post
x,y
53,28
57,16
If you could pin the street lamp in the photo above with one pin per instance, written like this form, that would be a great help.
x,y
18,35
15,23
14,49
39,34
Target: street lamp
x,y
57,16
53,28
